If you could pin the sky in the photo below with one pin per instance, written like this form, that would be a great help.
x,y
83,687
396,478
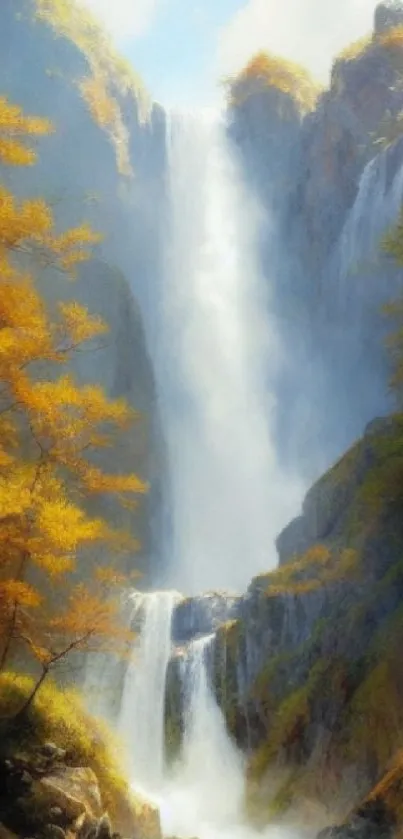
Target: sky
x,y
183,49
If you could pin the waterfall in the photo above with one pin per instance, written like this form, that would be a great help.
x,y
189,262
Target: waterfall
x,y
218,354
216,359
357,261
141,719
205,793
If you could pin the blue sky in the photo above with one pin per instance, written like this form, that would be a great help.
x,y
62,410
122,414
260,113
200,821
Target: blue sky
x,y
182,48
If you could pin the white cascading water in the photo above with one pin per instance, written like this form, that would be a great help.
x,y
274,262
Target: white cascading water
x,y
218,353
204,794
141,720
228,497
357,253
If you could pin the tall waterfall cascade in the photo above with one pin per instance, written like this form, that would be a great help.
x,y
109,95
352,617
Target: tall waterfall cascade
x,y
228,496
141,719
218,349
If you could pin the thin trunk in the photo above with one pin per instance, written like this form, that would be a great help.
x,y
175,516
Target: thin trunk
x,y
13,619
29,701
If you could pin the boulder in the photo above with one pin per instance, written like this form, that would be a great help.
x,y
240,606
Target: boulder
x,y
74,790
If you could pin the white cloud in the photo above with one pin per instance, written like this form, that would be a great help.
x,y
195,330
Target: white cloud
x,y
307,31
124,19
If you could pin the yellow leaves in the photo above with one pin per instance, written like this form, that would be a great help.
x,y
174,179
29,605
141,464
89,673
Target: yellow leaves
x,y
53,564
73,246
97,481
14,125
266,70
16,591
313,570
104,109
392,38
15,491
66,526
48,423
355,49
79,324
22,221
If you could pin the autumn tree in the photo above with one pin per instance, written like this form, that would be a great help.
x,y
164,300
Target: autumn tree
x,y
50,426
89,621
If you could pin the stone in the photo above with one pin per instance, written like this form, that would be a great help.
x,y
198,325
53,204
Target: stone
x,y
53,831
74,790
104,828
56,814
387,15
51,751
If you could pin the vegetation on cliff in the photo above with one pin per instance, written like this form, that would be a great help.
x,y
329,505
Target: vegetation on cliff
x,y
110,79
266,71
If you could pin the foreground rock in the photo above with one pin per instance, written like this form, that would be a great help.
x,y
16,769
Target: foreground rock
x,y
42,797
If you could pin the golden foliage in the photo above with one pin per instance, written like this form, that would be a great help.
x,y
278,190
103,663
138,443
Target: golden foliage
x,y
392,38
49,428
355,50
318,567
14,128
271,71
111,77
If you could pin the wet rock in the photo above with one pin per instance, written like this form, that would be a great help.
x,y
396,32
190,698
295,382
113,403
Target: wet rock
x,y
202,615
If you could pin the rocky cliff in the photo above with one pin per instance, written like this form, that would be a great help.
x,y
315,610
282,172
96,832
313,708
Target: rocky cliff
x,y
308,674
306,664
327,167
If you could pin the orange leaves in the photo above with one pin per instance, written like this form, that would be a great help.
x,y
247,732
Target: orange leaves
x,y
97,481
23,221
16,591
73,247
266,70
14,125
49,430
91,622
80,326
66,526
103,107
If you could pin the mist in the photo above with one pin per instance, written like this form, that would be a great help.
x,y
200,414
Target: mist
x,y
219,352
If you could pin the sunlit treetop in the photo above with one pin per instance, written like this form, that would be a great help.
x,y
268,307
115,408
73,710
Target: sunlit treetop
x,y
266,70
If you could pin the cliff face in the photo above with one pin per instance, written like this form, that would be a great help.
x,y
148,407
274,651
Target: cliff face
x,y
308,672
103,164
334,186
306,665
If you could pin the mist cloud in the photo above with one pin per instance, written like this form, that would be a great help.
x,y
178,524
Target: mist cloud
x,y
311,32
124,19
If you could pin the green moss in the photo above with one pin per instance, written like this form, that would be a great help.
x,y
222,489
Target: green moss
x,y
374,726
